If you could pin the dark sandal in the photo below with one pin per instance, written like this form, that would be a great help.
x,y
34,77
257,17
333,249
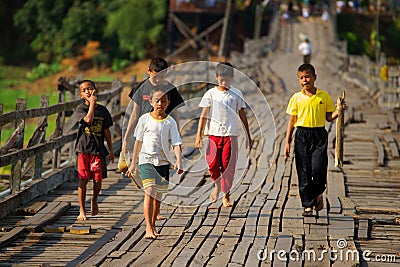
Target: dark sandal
x,y
319,203
307,212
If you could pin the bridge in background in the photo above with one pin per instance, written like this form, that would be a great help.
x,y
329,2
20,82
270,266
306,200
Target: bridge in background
x,y
362,199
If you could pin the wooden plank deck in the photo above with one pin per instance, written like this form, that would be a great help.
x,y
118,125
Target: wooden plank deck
x,y
264,227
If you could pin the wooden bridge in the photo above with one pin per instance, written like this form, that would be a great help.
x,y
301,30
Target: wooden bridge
x,y
265,226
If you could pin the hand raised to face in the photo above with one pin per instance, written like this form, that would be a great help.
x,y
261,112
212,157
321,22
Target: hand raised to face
x,y
88,92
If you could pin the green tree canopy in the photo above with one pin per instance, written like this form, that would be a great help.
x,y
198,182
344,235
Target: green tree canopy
x,y
137,23
59,28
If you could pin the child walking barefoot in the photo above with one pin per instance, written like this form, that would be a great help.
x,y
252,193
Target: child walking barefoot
x,y
223,106
155,133
95,121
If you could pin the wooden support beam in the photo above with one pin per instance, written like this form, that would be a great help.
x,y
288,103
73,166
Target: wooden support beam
x,y
16,167
381,151
393,145
196,38
224,29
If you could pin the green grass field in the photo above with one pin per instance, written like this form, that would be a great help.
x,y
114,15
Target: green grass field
x,y
11,87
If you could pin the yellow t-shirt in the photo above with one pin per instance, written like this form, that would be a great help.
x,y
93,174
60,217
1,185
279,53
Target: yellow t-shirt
x,y
310,110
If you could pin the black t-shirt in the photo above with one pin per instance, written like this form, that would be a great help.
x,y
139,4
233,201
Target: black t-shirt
x,y
90,138
140,94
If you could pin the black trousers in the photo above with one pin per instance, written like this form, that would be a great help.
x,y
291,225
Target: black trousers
x,y
310,151
306,59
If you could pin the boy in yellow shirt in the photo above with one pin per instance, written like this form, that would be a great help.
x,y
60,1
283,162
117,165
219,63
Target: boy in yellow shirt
x,y
308,110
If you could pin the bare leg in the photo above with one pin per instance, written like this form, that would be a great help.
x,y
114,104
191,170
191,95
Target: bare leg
x,y
96,191
217,189
148,212
82,199
156,212
159,216
226,200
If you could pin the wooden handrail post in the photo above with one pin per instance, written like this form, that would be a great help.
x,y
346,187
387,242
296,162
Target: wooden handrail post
x,y
71,153
339,132
59,129
16,167
42,125
115,106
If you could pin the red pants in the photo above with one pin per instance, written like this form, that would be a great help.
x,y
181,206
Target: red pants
x,y
221,158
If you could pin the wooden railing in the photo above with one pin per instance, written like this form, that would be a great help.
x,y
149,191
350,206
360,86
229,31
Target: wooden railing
x,y
377,78
48,160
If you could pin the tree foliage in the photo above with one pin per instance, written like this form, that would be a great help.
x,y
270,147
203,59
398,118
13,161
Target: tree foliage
x,y
393,35
60,28
136,23
41,20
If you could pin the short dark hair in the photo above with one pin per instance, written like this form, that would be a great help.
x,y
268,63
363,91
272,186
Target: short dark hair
x,y
224,69
88,81
158,64
306,66
159,89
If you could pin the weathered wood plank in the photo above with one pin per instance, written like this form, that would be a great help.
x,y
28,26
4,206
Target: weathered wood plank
x,y
49,217
381,151
226,245
283,246
9,237
84,258
341,226
316,242
247,238
170,237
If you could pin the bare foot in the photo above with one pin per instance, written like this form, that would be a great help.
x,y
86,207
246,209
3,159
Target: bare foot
x,y
94,209
155,232
214,195
81,217
159,217
226,200
149,234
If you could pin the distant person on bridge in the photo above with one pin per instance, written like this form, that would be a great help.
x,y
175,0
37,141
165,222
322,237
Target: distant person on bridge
x,y
95,122
219,119
308,110
155,133
305,49
325,15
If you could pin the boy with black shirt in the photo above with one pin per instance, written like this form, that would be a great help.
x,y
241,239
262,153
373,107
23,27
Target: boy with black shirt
x,y
140,96
95,122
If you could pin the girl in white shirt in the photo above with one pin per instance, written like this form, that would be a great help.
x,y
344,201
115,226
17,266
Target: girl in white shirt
x,y
151,156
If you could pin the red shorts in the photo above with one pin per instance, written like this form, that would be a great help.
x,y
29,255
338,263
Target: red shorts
x,y
91,167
